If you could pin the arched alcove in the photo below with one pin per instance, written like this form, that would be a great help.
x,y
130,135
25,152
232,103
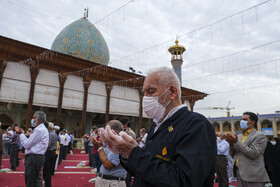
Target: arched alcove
x,y
237,126
216,127
278,128
226,127
266,124
6,120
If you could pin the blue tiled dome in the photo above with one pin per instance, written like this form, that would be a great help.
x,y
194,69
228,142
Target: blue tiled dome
x,y
83,40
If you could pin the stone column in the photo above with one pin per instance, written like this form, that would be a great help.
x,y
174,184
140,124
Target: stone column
x,y
232,126
177,66
221,126
19,114
259,128
141,95
109,88
62,79
84,115
34,70
192,102
274,127
2,69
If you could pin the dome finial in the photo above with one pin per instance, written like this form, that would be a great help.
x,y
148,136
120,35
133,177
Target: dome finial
x,y
176,41
86,13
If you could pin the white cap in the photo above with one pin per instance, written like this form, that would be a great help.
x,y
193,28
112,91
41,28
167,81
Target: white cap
x,y
56,127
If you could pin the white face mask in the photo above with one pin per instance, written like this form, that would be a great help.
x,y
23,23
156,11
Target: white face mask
x,y
273,143
153,108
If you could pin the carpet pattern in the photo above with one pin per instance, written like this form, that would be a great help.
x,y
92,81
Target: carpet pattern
x,y
64,177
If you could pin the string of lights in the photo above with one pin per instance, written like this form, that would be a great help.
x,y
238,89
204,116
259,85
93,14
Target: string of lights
x,y
36,12
225,18
193,31
233,90
29,17
232,54
234,69
123,6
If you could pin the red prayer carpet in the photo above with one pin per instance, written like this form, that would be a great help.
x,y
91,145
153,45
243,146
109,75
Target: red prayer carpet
x,y
63,177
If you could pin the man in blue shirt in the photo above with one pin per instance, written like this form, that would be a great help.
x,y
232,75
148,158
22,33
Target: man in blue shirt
x,y
111,172
222,161
35,148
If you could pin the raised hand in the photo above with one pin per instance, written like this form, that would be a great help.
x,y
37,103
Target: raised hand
x,y
95,142
120,144
231,139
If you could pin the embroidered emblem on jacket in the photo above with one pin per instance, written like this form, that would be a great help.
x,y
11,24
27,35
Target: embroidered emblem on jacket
x,y
170,128
163,152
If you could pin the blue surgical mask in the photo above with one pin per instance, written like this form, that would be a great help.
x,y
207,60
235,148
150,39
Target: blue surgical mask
x,y
32,123
243,124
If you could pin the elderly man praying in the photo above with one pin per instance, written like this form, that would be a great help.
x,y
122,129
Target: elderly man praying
x,y
181,146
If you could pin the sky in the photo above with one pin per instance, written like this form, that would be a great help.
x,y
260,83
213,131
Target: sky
x,y
232,47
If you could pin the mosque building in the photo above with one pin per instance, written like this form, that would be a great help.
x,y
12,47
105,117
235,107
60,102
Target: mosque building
x,y
71,82
268,124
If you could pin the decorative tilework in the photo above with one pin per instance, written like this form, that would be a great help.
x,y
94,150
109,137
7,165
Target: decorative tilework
x,y
83,40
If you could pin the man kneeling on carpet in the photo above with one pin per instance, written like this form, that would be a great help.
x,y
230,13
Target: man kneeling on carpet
x,y
111,172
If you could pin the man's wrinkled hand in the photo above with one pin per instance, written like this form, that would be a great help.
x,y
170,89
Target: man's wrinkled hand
x,y
120,144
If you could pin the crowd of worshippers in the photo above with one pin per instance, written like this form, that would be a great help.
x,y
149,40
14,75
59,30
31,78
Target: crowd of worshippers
x,y
93,150
181,148
44,145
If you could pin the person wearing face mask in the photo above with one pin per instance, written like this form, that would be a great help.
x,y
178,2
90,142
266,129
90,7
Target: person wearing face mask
x,y
180,149
35,149
14,137
248,149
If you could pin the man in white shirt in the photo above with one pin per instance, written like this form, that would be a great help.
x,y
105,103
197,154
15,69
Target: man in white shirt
x,y
66,143
61,147
35,148
222,161
143,137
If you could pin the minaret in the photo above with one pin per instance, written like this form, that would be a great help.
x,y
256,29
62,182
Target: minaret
x,y
177,58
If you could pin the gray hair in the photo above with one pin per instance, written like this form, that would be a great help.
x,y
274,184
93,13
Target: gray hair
x,y
41,115
115,125
51,126
167,77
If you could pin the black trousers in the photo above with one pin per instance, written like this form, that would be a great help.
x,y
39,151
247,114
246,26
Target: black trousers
x,y
90,156
69,148
61,151
53,164
33,167
47,170
14,156
65,152
221,170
